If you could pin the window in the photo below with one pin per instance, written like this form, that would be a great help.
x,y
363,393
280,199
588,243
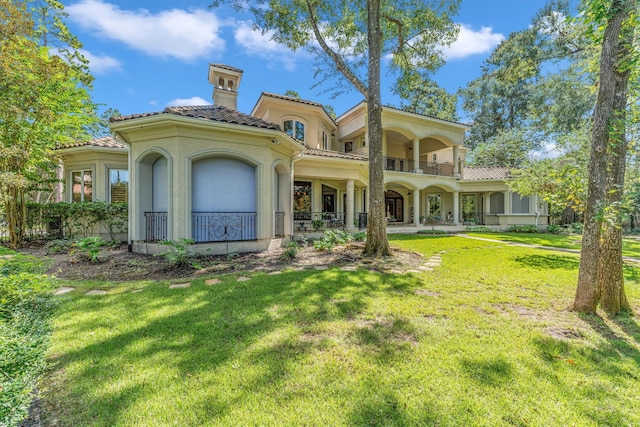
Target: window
x,y
434,205
435,158
497,203
302,200
294,129
118,185
325,140
81,186
519,204
348,146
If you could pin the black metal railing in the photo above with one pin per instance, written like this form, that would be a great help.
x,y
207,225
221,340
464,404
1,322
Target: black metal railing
x,y
362,220
156,226
223,226
318,221
470,218
434,168
279,224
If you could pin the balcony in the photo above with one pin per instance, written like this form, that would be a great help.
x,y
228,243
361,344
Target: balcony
x,y
428,168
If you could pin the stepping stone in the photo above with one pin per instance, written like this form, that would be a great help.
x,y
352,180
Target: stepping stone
x,y
432,264
321,267
397,271
179,285
136,291
243,279
414,271
349,268
96,292
64,290
272,273
425,268
210,282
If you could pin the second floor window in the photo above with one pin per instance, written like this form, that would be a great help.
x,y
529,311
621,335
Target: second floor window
x,y
294,129
325,140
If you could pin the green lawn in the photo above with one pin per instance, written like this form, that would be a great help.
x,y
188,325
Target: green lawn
x,y
483,340
630,246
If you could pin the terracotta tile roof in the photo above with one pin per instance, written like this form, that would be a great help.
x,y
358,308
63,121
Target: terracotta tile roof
x,y
291,98
226,67
335,154
476,173
216,113
103,142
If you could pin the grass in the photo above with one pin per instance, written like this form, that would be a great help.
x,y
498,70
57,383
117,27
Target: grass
x,y
630,246
483,340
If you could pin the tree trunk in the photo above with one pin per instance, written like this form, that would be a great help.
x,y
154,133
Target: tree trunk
x,y
377,244
588,291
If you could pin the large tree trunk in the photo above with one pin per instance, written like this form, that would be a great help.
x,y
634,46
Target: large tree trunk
x,y
377,243
591,262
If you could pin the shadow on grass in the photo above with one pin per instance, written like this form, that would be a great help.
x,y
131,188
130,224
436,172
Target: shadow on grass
x,y
201,329
564,262
488,372
608,359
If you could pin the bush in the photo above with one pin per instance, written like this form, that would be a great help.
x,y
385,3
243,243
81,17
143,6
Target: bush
x,y
478,229
25,308
360,236
523,229
178,253
89,247
553,229
432,232
575,228
331,238
291,250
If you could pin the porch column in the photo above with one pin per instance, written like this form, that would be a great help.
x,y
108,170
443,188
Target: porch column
x,y
456,165
384,143
316,196
416,156
456,208
416,208
349,207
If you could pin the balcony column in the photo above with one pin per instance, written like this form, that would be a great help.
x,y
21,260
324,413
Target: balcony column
x,y
384,143
316,196
456,208
349,208
456,165
416,156
416,208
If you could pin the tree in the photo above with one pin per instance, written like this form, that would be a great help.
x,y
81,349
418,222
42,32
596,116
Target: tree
x,y
100,127
44,103
600,278
535,89
349,39
426,97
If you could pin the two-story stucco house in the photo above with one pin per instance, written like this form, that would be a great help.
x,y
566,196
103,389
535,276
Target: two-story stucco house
x,y
233,182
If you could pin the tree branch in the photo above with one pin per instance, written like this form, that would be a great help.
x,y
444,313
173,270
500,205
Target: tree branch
x,y
400,26
337,59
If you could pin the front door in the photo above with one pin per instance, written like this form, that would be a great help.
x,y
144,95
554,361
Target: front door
x,y
395,206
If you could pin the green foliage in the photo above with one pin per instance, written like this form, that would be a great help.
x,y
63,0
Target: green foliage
x,y
575,228
523,229
89,247
45,102
359,236
25,308
177,254
291,250
431,232
77,220
553,229
57,246
426,97
478,229
332,238
317,224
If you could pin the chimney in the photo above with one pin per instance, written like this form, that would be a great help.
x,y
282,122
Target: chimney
x,y
225,81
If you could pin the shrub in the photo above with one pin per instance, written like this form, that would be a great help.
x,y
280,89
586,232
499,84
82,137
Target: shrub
x,y
554,229
317,224
178,254
291,250
432,232
360,236
478,229
57,246
523,229
89,247
575,228
331,238
25,308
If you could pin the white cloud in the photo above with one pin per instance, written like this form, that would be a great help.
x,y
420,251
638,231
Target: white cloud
x,y
181,34
472,42
182,102
101,64
261,45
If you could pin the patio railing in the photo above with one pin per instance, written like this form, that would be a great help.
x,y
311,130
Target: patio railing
x,y
318,221
156,226
223,226
428,168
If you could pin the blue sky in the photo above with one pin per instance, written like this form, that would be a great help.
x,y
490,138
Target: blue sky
x,y
147,55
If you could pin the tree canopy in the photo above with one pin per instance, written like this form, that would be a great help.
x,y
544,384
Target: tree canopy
x,y
44,100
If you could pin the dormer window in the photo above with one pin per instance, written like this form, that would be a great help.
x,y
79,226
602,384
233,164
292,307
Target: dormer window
x,y
294,129
348,146
325,140
221,83
230,86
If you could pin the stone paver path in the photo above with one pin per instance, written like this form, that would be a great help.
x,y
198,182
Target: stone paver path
x,y
96,292
243,279
211,282
64,290
179,285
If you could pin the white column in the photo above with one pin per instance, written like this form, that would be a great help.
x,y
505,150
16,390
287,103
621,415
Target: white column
x,y
456,208
316,196
349,207
416,156
416,208
456,165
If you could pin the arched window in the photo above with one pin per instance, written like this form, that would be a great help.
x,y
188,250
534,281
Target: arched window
x,y
294,129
